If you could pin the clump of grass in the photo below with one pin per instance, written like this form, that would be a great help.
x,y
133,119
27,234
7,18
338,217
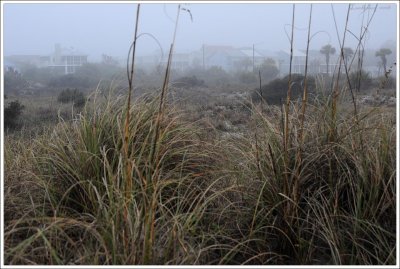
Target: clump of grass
x,y
82,168
315,192
137,184
216,202
346,205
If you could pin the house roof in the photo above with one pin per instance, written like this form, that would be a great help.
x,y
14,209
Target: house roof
x,y
210,51
71,51
235,53
267,53
249,53
296,52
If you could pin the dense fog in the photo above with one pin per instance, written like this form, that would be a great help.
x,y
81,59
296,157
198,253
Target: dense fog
x,y
107,28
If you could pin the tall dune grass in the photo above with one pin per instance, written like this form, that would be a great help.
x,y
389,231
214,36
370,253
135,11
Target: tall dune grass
x,y
205,199
346,211
134,182
82,169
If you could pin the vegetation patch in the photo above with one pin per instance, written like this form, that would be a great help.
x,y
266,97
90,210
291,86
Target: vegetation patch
x,y
72,96
275,92
12,115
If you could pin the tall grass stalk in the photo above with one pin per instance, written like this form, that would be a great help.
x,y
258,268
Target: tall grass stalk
x,y
152,189
128,165
302,117
335,93
165,83
360,53
361,44
286,131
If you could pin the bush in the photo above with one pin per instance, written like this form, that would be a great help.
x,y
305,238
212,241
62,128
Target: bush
x,y
213,76
383,82
275,92
14,81
87,75
189,81
362,78
70,80
39,74
68,96
268,70
11,115
247,77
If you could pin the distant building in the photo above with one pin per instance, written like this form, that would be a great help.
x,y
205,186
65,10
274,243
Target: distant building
x,y
66,60
234,59
149,62
253,56
229,58
316,62
298,61
63,60
226,57
180,61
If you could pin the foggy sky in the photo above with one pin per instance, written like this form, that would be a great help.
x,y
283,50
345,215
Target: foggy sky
x,y
108,28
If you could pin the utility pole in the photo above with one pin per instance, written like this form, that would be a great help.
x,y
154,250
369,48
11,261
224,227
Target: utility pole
x,y
204,67
253,58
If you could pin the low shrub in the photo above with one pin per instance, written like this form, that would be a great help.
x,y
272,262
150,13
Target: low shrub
x,y
212,76
275,92
11,115
268,70
247,77
384,82
14,81
71,80
189,81
361,80
75,96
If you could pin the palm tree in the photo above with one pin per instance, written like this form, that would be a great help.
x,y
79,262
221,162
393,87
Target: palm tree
x,y
327,50
382,53
347,53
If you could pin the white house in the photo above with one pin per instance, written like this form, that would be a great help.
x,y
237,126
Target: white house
x,y
66,60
